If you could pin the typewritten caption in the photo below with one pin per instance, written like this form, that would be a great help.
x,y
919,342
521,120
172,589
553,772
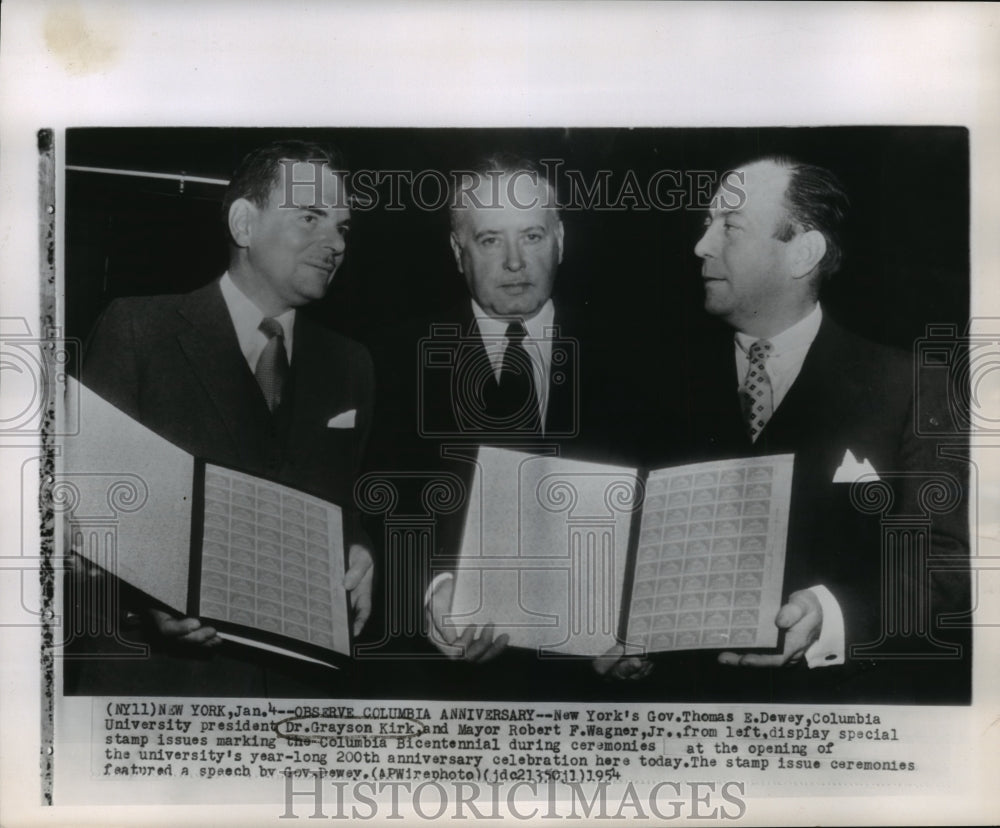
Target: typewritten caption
x,y
352,742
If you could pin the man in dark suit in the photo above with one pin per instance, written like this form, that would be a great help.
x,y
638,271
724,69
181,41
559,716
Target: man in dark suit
x,y
863,602
507,366
232,373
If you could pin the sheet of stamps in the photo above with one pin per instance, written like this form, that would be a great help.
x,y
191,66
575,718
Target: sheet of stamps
x,y
269,560
717,545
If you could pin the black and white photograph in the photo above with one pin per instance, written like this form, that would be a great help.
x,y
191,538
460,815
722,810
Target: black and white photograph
x,y
620,256
522,460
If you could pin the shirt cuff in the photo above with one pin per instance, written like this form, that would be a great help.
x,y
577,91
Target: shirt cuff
x,y
438,580
828,649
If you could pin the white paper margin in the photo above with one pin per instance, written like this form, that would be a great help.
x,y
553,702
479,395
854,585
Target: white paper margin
x,y
178,63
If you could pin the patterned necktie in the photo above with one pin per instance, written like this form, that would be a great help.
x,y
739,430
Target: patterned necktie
x,y
272,367
756,395
514,404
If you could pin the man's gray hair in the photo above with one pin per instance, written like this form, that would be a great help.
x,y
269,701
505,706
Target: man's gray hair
x,y
493,167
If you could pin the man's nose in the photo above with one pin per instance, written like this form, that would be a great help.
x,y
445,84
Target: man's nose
x,y
513,259
705,244
335,239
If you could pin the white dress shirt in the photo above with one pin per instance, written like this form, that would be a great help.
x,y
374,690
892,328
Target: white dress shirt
x,y
538,345
247,317
788,352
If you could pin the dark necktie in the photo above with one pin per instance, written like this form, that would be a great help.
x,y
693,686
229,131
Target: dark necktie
x,y
756,395
514,404
272,367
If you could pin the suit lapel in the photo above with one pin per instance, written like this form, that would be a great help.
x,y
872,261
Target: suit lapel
x,y
320,386
715,414
209,342
563,407
304,375
798,410
818,406
473,362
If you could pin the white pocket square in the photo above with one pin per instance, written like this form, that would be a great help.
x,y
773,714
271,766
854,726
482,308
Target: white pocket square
x,y
851,469
345,419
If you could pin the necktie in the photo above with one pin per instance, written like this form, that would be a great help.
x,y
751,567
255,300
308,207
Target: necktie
x,y
756,397
514,404
272,367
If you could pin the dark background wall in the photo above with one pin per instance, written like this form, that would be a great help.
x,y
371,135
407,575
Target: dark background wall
x,y
907,261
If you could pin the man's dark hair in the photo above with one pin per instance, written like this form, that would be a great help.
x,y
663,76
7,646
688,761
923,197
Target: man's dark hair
x,y
260,170
815,200
494,166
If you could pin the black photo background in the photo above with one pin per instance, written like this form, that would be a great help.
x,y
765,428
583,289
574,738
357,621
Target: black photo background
x,y
629,264
633,269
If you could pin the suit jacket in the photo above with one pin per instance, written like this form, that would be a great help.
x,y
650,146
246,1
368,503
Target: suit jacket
x,y
853,395
174,363
427,429
436,362
427,417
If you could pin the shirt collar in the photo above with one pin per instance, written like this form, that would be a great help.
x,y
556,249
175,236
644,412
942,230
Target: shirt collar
x,y
247,316
538,326
800,335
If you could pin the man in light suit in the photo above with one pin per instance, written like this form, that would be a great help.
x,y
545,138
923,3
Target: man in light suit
x,y
791,380
234,374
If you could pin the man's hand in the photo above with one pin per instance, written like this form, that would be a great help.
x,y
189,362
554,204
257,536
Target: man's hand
x,y
358,582
184,630
802,620
468,646
615,664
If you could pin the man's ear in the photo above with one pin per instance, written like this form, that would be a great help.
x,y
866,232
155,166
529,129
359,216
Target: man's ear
x,y
241,215
559,238
807,250
456,249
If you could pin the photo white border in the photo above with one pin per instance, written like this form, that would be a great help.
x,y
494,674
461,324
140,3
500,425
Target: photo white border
x,y
225,63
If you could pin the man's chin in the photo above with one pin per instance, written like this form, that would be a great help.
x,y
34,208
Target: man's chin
x,y
308,295
714,304
525,310
318,287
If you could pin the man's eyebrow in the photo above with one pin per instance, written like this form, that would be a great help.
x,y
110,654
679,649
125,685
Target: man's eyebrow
x,y
322,212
